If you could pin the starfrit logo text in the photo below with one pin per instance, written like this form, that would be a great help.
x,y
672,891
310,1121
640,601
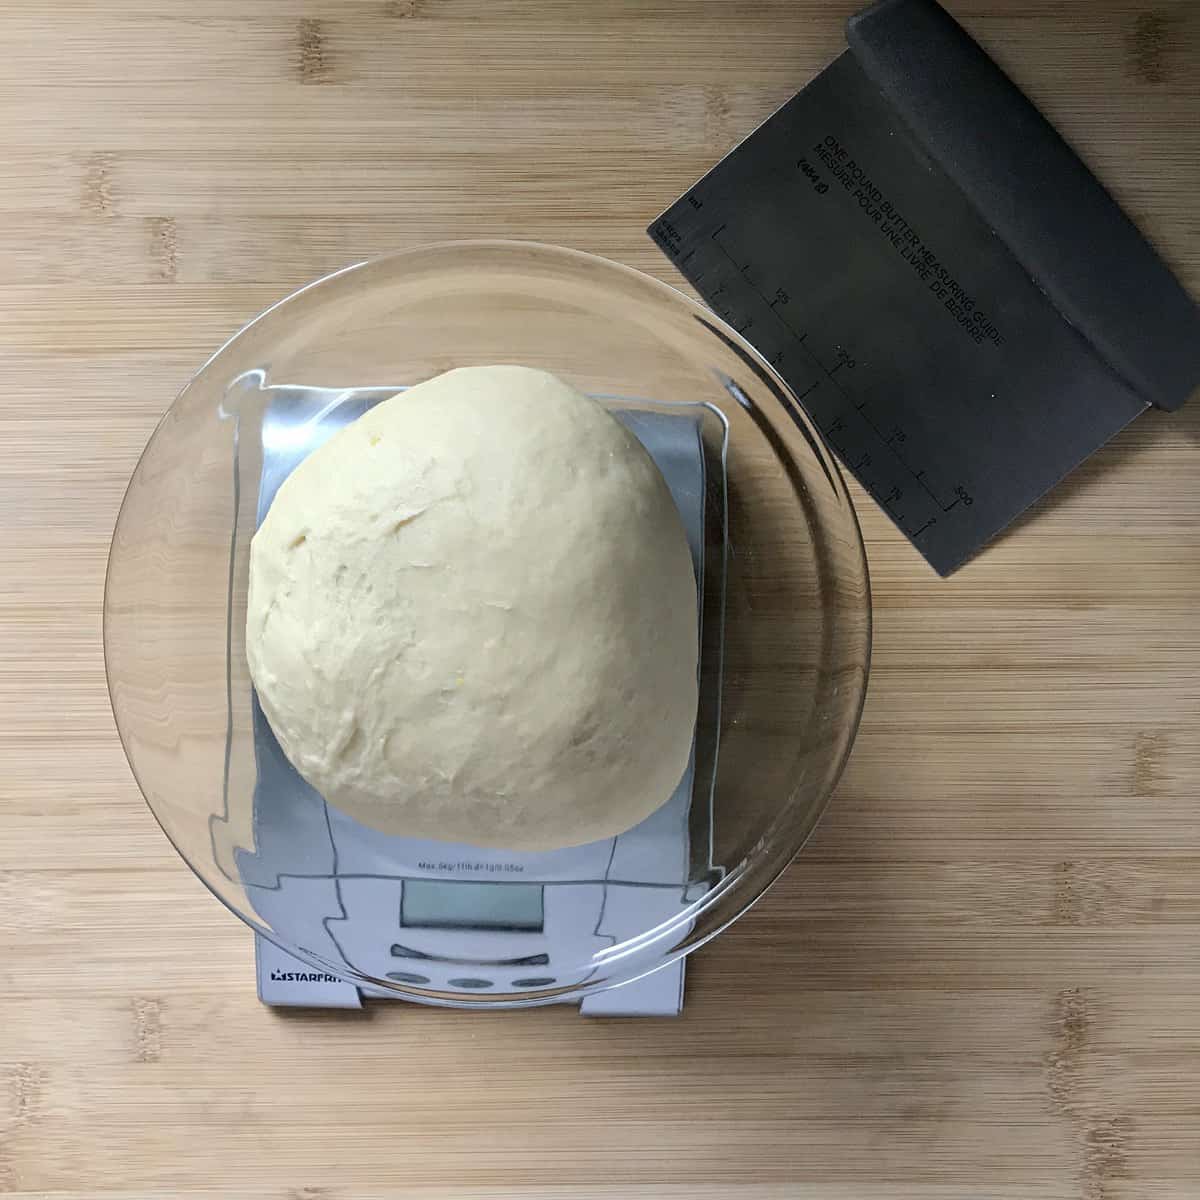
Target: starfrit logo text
x,y
304,977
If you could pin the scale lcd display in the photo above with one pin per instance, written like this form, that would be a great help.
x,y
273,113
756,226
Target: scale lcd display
x,y
453,904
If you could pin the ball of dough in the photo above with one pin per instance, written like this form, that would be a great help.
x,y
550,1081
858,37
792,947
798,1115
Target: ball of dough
x,y
472,617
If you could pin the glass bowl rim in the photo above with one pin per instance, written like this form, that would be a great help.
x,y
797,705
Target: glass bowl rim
x,y
736,875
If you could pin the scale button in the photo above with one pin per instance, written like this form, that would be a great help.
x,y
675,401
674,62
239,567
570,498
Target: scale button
x,y
470,983
534,981
407,977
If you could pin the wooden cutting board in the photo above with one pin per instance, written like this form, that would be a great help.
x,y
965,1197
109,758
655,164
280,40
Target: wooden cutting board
x,y
983,978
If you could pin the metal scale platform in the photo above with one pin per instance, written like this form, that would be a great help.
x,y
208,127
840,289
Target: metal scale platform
x,y
314,869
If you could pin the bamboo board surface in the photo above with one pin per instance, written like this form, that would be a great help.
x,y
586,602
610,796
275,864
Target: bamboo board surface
x,y
983,977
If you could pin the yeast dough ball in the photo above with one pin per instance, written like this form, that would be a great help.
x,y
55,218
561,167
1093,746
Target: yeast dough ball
x,y
472,617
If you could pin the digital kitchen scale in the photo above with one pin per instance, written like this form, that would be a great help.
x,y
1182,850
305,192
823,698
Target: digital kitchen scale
x,y
959,305
452,907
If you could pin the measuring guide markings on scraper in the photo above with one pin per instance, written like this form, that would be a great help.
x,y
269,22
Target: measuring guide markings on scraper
x,y
955,300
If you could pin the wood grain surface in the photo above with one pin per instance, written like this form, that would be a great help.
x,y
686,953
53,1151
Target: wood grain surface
x,y
982,980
